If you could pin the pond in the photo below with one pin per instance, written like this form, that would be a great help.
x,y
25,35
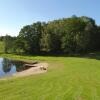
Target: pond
x,y
9,67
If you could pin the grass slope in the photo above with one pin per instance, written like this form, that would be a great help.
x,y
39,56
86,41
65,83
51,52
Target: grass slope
x,y
68,78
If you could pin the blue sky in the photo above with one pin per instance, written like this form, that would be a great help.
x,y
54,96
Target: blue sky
x,y
14,14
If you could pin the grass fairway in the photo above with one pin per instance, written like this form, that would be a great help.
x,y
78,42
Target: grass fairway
x,y
68,78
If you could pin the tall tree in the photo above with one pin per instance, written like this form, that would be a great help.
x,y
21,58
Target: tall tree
x,y
30,37
8,43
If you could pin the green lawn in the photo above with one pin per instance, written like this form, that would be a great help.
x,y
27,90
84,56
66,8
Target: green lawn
x,y
68,78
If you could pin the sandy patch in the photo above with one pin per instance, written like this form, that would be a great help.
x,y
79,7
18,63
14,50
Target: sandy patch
x,y
39,68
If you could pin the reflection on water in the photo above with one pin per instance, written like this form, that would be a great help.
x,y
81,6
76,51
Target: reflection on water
x,y
8,66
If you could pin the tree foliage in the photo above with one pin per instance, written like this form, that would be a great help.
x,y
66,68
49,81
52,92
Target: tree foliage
x,y
66,35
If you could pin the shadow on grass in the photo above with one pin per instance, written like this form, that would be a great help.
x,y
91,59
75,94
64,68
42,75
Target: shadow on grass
x,y
94,55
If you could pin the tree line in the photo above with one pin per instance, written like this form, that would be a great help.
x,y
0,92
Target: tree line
x,y
66,35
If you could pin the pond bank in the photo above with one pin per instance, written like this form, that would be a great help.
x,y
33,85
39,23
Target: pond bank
x,y
37,69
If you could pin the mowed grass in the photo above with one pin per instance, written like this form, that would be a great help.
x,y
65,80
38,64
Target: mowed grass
x,y
68,78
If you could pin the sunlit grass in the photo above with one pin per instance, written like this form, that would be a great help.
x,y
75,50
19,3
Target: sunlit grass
x,y
68,78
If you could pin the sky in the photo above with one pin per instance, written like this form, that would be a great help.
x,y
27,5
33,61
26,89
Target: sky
x,y
14,14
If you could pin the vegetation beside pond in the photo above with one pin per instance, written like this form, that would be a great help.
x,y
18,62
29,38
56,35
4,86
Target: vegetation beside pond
x,y
62,36
1,47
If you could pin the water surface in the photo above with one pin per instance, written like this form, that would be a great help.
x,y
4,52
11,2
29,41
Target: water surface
x,y
9,66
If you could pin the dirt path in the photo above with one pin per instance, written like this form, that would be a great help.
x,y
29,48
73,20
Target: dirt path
x,y
40,68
